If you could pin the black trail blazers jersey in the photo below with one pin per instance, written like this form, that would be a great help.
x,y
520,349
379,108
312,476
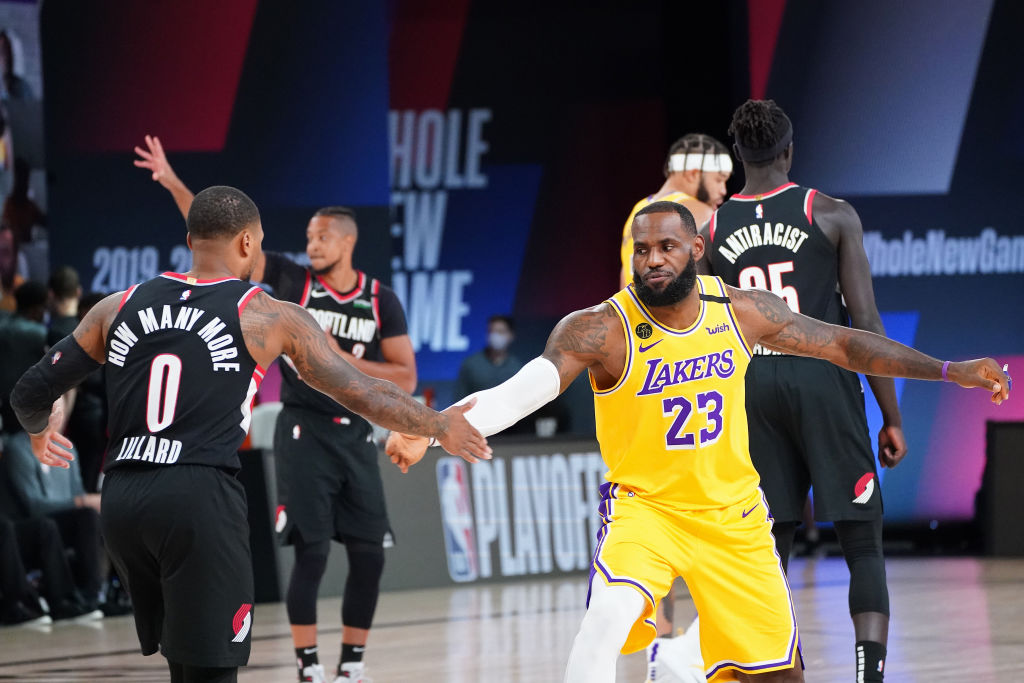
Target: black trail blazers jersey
x,y
770,241
180,380
357,320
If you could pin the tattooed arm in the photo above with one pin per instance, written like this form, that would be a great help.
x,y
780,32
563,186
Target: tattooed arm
x,y
764,318
273,327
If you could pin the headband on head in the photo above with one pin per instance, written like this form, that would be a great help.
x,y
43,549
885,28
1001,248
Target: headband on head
x,y
701,161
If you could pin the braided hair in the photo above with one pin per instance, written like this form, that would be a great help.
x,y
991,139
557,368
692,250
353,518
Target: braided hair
x,y
759,128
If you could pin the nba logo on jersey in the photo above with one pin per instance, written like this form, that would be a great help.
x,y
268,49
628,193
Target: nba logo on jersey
x,y
186,294
457,519
759,211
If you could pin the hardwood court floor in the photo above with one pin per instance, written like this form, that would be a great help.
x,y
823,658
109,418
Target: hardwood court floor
x,y
954,619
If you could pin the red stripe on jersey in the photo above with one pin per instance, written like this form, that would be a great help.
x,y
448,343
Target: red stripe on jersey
x,y
711,226
765,195
375,290
246,298
809,206
305,290
345,299
127,295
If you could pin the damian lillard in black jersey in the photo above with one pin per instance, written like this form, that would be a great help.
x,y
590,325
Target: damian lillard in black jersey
x,y
322,449
184,354
806,417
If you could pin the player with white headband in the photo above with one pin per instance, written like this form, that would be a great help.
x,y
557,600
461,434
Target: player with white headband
x,y
696,171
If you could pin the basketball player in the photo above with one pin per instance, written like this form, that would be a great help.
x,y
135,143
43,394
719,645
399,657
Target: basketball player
x,y
682,496
184,356
324,452
696,170
808,248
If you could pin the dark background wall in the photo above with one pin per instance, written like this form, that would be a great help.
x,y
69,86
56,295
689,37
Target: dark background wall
x,y
494,150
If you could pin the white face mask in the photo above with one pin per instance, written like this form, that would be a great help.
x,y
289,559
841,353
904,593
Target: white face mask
x,y
498,341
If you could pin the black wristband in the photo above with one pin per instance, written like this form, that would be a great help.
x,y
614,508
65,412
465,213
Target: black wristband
x,y
64,366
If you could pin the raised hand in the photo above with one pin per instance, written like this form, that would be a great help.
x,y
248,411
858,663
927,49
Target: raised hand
x,y
154,160
984,373
50,446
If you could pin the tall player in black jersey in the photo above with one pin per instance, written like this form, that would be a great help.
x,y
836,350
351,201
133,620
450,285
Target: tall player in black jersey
x,y
323,451
806,417
184,355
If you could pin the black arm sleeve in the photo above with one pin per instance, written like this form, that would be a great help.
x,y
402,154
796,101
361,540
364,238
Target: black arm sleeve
x,y
65,365
286,277
392,317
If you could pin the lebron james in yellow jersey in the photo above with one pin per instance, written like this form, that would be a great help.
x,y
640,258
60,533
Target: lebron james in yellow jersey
x,y
666,358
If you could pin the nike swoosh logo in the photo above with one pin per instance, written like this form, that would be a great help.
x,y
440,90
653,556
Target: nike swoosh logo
x,y
309,650
747,512
317,294
644,349
358,649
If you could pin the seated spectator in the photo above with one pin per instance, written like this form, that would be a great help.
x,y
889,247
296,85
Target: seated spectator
x,y
36,544
33,490
22,343
64,293
494,364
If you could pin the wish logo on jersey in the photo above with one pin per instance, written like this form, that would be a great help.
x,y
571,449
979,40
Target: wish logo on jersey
x,y
661,374
457,520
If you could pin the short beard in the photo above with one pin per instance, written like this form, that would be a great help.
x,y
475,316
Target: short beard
x,y
325,270
676,290
702,192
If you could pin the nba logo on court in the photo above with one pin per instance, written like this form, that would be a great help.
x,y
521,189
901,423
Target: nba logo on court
x,y
457,519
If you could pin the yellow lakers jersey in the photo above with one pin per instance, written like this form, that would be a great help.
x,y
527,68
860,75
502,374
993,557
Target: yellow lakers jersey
x,y
674,426
626,253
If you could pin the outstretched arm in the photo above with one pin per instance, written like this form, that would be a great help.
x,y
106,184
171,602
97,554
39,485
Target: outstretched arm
x,y
765,319
273,327
154,160
584,339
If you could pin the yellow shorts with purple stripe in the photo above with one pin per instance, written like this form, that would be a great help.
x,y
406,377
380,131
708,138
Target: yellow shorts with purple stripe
x,y
727,558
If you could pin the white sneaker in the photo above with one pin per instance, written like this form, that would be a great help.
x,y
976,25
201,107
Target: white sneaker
x,y
314,674
676,660
353,673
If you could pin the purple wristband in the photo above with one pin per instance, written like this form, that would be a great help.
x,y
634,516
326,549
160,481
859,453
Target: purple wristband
x,y
945,366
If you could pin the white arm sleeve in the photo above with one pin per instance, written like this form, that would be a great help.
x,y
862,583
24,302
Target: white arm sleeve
x,y
534,385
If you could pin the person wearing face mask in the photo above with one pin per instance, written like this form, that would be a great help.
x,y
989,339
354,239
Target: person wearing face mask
x,y
494,364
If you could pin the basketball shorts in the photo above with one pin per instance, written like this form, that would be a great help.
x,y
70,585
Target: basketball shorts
x,y
727,558
328,479
179,538
808,428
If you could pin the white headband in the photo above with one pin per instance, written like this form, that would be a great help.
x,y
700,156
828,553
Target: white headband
x,y
707,163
